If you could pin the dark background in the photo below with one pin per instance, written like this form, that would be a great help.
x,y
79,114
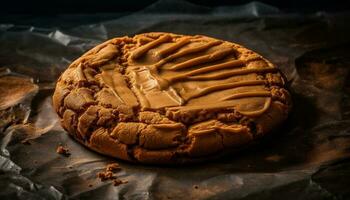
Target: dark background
x,y
73,6
70,13
51,7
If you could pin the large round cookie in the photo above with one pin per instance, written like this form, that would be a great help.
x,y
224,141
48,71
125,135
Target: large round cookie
x,y
167,98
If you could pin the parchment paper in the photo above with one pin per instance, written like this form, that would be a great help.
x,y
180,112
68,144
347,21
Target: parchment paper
x,y
307,158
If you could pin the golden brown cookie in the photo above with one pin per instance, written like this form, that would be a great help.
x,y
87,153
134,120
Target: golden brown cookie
x,y
167,98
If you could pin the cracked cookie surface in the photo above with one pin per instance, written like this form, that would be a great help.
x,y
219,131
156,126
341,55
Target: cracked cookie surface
x,y
167,98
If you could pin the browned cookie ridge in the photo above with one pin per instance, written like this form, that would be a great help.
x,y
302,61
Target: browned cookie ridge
x,y
167,98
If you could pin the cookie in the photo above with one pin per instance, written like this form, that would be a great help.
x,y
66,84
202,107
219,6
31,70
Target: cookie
x,y
168,98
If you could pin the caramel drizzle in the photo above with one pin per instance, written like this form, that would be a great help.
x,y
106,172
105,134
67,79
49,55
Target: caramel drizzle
x,y
210,68
257,113
142,91
215,88
115,81
200,74
247,94
144,49
174,47
217,55
186,52
141,97
222,75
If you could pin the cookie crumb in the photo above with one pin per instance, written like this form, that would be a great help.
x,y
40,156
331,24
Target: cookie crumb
x,y
113,167
106,175
109,174
117,182
63,150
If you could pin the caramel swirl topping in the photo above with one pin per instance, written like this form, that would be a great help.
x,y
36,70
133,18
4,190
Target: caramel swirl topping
x,y
190,72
